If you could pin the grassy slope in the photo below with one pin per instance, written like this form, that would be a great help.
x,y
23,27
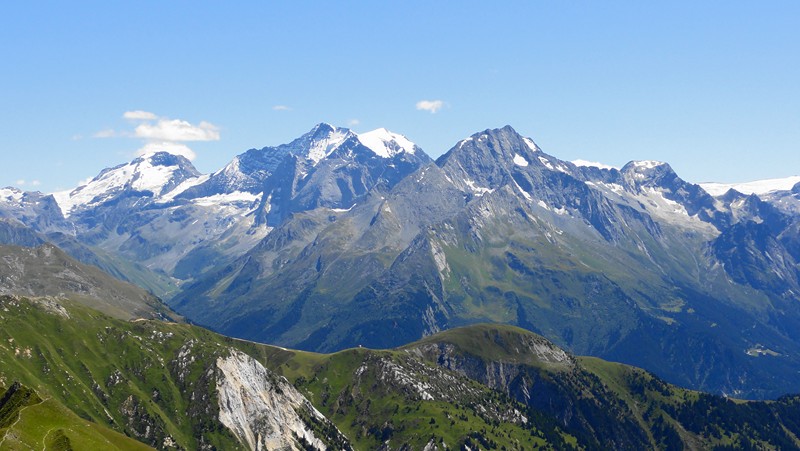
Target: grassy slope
x,y
47,423
102,368
127,375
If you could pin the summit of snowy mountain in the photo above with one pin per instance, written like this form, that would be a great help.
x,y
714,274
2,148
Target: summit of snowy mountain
x,y
757,187
11,194
642,165
324,145
387,144
324,139
646,172
319,143
150,175
492,158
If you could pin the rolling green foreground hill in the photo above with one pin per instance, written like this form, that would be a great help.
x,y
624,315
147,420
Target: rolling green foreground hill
x,y
124,375
29,422
74,378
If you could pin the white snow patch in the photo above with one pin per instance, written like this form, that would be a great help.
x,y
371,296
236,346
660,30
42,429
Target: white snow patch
x,y
324,147
386,144
11,194
593,164
524,193
655,199
186,184
531,145
519,160
236,197
647,164
546,163
479,190
613,187
757,187
152,178
343,210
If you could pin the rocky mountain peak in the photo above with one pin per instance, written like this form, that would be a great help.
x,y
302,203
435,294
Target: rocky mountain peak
x,y
493,158
318,143
150,175
648,173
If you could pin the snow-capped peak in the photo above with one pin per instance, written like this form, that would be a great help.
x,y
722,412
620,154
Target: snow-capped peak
x,y
11,194
757,187
320,142
646,164
156,172
385,143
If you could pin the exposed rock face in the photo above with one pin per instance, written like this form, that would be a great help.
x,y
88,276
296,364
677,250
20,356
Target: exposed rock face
x,y
263,410
541,375
507,373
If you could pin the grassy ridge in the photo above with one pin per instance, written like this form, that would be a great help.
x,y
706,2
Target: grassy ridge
x,y
611,405
390,397
87,380
48,424
146,379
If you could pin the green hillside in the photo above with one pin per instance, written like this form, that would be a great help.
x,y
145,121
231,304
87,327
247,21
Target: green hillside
x,y
29,422
128,376
75,378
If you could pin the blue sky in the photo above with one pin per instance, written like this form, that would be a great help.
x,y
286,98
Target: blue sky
x,y
711,87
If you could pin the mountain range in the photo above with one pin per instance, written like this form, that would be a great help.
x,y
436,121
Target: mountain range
x,y
338,240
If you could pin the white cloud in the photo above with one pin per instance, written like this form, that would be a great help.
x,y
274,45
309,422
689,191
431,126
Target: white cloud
x,y
23,182
281,108
353,122
85,181
139,115
430,105
107,133
169,147
162,134
592,163
177,130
